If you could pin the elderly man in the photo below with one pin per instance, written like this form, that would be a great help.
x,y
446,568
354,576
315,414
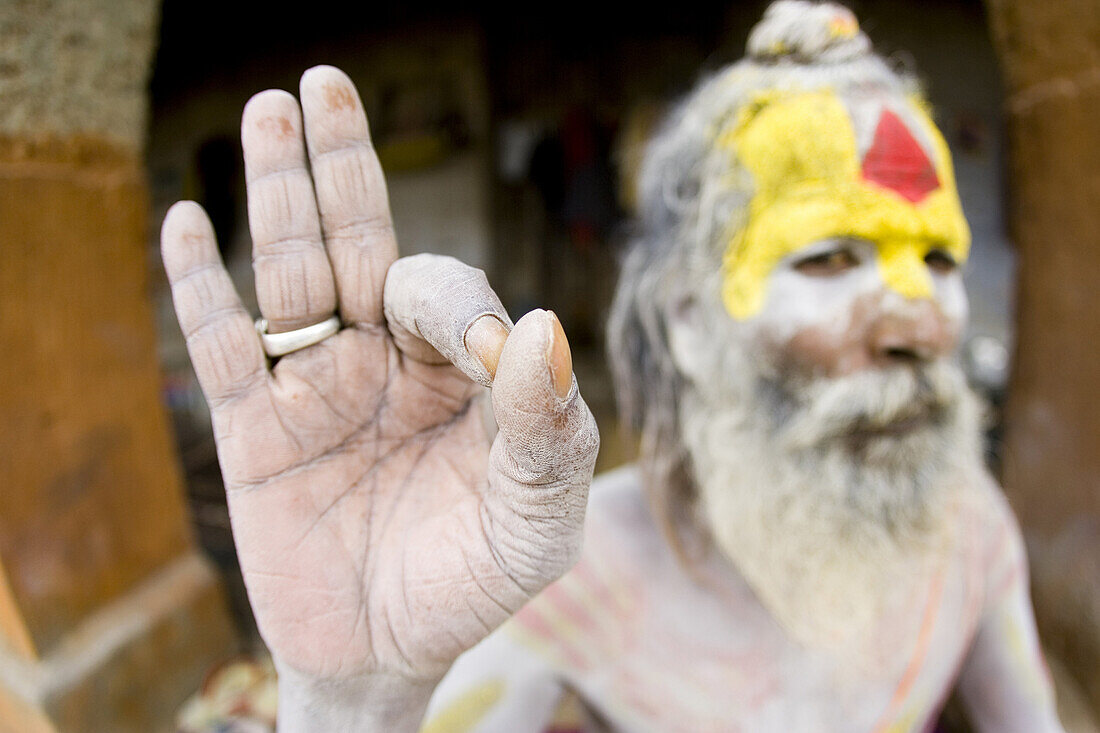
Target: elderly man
x,y
809,542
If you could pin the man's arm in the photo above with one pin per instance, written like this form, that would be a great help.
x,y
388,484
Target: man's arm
x,y
499,685
1005,684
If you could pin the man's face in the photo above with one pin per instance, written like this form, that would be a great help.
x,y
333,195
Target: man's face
x,y
848,263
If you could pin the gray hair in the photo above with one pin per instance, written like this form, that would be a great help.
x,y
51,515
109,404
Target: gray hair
x,y
692,195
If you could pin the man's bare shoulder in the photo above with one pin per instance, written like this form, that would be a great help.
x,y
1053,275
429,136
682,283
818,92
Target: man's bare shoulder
x,y
989,535
985,509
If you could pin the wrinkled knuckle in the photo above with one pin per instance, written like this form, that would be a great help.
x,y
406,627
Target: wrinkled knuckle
x,y
480,279
588,435
581,444
363,230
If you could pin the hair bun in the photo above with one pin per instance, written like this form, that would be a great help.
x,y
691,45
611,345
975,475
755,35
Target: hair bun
x,y
807,32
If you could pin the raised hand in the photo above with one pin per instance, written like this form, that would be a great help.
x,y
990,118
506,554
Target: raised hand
x,y
381,528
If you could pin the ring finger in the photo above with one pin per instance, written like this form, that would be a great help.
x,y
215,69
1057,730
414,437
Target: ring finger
x,y
294,283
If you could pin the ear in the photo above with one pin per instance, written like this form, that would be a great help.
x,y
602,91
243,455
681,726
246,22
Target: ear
x,y
687,335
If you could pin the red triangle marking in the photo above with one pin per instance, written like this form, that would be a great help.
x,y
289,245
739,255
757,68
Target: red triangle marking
x,y
896,160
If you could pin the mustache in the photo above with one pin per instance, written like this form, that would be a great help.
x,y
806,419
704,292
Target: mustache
x,y
871,401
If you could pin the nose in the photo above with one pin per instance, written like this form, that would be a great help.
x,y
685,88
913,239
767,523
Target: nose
x,y
916,333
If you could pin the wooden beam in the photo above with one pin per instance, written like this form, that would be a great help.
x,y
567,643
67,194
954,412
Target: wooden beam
x,y
1049,53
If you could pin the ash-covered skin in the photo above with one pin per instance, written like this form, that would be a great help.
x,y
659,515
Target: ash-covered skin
x,y
381,526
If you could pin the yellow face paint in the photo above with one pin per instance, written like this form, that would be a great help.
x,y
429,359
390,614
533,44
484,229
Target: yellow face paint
x,y
811,185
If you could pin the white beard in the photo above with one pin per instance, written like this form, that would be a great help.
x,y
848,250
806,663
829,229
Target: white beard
x,y
821,525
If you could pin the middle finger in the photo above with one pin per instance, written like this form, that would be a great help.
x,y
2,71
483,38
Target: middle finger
x,y
294,283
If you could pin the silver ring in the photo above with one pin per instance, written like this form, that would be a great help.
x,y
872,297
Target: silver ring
x,y
278,344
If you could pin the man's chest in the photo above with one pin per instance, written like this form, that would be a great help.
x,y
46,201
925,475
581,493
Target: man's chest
x,y
657,650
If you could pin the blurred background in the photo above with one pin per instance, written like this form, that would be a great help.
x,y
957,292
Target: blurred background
x,y
510,138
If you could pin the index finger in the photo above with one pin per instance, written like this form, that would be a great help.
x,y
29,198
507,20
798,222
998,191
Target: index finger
x,y
351,193
224,347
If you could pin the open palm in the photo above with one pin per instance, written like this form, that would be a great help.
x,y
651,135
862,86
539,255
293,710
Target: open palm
x,y
381,525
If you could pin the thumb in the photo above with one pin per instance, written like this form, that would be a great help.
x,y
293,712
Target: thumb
x,y
545,451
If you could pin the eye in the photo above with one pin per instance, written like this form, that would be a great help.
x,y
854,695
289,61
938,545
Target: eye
x,y
940,261
833,262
